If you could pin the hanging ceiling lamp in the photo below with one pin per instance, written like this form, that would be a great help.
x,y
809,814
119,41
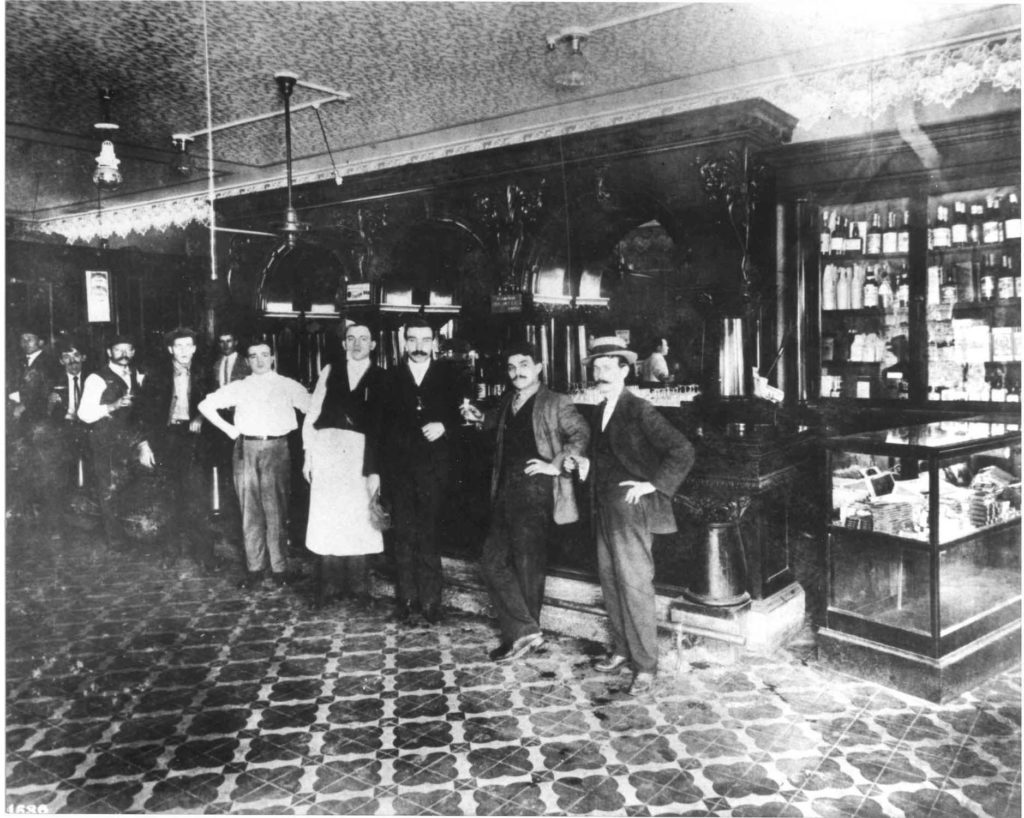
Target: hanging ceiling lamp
x,y
106,176
568,67
182,163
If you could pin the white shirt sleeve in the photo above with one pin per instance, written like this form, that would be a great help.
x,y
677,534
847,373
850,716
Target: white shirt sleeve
x,y
224,398
90,409
299,396
315,405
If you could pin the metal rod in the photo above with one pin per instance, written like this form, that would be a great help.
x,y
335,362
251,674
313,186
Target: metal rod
x,y
344,96
255,118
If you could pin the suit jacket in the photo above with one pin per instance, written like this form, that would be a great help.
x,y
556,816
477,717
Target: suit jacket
x,y
558,430
650,449
59,399
441,392
155,404
34,384
239,370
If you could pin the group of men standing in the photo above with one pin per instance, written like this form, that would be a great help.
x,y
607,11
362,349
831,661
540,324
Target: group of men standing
x,y
376,439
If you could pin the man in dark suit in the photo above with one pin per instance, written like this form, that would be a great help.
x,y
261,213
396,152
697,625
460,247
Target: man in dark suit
x,y
69,431
36,374
420,416
229,365
638,460
170,439
536,429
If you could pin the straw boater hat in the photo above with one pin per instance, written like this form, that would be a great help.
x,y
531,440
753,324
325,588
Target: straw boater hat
x,y
610,345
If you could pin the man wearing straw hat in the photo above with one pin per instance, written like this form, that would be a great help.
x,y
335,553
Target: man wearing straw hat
x,y
638,460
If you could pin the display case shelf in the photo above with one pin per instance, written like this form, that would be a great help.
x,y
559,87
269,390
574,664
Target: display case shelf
x,y
923,559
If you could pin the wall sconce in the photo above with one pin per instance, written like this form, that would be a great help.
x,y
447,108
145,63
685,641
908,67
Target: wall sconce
x,y
106,176
567,66
182,163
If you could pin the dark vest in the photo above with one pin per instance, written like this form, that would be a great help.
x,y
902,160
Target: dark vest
x,y
342,408
115,389
608,471
518,441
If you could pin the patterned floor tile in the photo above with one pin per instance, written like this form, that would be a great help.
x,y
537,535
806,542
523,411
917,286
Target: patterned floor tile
x,y
127,692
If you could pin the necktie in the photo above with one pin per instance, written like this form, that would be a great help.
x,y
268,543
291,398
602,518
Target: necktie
x,y
602,407
224,372
78,394
517,402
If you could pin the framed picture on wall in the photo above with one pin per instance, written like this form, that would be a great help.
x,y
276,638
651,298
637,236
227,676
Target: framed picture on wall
x,y
97,296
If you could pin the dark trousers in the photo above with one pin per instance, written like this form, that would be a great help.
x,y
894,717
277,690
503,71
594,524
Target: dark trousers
x,y
416,495
514,558
347,577
178,454
262,470
110,456
625,565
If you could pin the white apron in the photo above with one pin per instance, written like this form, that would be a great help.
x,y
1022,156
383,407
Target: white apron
x,y
339,505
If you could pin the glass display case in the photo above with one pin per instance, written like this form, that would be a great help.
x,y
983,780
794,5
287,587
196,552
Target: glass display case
x,y
923,560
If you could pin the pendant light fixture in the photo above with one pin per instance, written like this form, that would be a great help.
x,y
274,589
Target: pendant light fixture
x,y
182,163
106,176
568,68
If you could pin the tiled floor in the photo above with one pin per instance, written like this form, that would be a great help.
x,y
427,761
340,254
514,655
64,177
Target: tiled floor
x,y
131,688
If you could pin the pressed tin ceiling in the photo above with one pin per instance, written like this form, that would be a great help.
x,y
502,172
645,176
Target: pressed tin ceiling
x,y
424,76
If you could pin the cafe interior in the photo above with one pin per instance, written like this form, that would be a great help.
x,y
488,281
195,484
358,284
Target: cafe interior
x,y
816,209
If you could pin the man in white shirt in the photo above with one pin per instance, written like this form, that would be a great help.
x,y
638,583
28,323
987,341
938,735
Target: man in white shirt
x,y
107,406
654,369
63,403
265,404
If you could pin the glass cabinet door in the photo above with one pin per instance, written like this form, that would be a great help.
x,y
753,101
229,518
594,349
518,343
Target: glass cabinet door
x,y
864,298
973,296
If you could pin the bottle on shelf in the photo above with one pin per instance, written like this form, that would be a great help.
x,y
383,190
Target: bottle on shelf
x,y
857,287
890,236
837,242
1015,272
1011,221
959,226
941,233
948,291
1006,284
873,241
975,224
829,280
825,237
903,288
870,299
853,245
885,288
987,278
992,225
843,289
903,234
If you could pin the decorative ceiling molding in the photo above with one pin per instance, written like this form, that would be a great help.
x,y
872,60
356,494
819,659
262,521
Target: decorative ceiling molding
x,y
869,89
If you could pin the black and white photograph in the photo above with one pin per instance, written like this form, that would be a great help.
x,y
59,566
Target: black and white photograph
x,y
513,408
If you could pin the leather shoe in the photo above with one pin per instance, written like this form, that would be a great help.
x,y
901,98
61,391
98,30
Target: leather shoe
x,y
522,646
279,579
611,664
643,683
403,613
433,614
500,653
251,580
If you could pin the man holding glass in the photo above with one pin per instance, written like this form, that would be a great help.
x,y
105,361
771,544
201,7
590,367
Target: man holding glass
x,y
536,429
107,406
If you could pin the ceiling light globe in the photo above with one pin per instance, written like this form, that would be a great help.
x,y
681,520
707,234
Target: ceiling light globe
x,y
107,176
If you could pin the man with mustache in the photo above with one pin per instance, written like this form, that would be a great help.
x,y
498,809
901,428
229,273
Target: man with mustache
x,y
537,428
107,406
420,415
638,460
